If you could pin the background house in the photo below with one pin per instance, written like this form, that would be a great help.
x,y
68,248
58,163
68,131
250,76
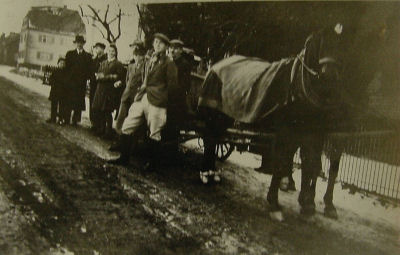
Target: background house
x,y
9,48
48,33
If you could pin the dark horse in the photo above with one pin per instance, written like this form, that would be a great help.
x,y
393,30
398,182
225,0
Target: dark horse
x,y
293,97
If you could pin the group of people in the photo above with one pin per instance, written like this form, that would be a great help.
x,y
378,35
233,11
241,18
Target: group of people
x,y
147,95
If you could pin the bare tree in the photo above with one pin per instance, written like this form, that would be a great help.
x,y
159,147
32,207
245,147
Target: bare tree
x,y
104,23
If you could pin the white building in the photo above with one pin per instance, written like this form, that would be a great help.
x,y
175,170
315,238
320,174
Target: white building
x,y
48,33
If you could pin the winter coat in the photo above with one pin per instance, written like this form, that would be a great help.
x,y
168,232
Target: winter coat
x,y
96,64
177,96
107,98
79,69
160,78
59,85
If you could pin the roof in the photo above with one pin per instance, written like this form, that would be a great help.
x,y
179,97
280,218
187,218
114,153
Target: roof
x,y
56,19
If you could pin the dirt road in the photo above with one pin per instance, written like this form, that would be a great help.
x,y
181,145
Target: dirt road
x,y
57,196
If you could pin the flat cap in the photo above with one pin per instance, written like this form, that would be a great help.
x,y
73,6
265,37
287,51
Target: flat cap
x,y
101,45
162,37
137,43
176,42
138,47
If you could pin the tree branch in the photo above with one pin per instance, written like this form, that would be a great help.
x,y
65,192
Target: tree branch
x,y
83,15
96,15
106,13
105,24
99,30
119,25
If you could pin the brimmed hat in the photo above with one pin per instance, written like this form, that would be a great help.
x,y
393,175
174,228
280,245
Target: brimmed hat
x,y
101,45
60,59
79,38
176,42
138,47
136,43
162,37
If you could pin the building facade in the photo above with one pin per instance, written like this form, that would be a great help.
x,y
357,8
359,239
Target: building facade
x,y
48,33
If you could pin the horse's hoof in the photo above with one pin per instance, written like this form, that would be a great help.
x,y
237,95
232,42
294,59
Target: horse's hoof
x,y
276,216
330,212
284,184
204,177
217,176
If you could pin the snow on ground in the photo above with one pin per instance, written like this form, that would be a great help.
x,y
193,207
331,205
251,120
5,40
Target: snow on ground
x,y
36,85
358,213
359,204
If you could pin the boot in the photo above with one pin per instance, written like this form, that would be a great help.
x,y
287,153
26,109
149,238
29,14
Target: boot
x,y
123,159
116,145
154,155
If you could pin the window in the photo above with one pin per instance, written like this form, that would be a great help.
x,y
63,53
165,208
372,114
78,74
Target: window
x,y
44,56
46,39
42,39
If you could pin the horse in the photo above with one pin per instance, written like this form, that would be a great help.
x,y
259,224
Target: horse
x,y
291,96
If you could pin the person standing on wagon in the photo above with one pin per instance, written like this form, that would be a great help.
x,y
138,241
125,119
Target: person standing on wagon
x,y
151,101
58,85
134,79
79,67
177,107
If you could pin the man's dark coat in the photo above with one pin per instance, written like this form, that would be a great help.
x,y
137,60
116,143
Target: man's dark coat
x,y
79,69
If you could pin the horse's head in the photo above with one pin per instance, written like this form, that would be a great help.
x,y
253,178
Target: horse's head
x,y
321,70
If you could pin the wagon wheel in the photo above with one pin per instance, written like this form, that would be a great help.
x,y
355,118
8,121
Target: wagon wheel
x,y
222,150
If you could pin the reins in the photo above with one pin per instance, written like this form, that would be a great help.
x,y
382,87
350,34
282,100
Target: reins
x,y
309,69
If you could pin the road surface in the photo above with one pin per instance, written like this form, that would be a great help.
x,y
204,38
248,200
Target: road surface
x,y
57,196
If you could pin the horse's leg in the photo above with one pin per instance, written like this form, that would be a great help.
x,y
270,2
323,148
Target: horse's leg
x,y
310,154
334,158
305,180
272,198
283,159
291,185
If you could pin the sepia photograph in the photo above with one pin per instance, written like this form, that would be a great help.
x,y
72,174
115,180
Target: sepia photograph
x,y
179,127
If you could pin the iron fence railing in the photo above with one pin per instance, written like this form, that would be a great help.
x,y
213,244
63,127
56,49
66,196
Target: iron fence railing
x,y
369,161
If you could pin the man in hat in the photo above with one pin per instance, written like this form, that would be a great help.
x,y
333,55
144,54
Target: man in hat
x,y
134,79
177,98
99,57
79,67
151,101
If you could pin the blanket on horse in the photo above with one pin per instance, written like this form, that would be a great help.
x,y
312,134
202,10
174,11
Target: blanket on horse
x,y
247,89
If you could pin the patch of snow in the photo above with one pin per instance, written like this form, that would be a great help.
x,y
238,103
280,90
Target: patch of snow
x,y
83,229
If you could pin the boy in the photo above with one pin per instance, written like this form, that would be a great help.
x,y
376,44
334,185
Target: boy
x,y
58,85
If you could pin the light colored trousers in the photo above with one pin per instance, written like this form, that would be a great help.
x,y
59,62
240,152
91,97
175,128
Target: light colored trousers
x,y
141,111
